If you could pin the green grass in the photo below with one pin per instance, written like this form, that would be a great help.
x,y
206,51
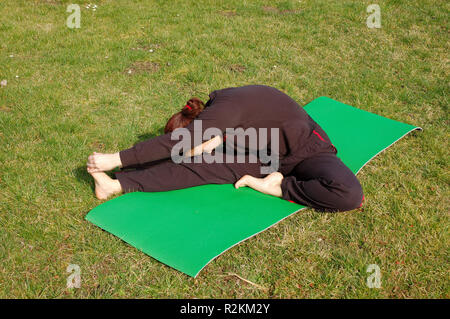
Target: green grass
x,y
73,95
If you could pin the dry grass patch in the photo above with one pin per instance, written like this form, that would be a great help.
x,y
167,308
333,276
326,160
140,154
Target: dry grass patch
x,y
228,13
142,67
238,68
270,9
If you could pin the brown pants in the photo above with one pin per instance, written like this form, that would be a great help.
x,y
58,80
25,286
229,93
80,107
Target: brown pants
x,y
322,181
165,175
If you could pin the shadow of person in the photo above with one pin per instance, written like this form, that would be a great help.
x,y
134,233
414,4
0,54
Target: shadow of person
x,y
83,176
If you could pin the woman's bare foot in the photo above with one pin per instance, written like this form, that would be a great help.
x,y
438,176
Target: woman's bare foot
x,y
105,186
271,184
99,162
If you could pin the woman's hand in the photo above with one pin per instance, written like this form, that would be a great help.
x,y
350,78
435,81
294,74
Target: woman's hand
x,y
271,184
98,162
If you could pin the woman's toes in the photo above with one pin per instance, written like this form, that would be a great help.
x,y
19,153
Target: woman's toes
x,y
242,181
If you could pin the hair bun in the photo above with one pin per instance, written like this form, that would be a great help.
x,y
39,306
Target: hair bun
x,y
188,113
193,108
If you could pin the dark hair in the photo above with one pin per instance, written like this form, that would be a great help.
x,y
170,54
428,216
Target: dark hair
x,y
187,114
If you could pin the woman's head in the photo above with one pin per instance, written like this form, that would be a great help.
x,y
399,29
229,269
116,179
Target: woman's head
x,y
187,114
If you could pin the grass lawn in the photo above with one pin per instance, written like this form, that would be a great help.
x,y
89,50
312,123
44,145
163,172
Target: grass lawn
x,y
132,64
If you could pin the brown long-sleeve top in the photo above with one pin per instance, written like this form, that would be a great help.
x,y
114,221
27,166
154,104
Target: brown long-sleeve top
x,y
256,106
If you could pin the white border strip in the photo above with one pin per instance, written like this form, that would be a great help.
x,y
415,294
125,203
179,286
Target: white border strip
x,y
416,128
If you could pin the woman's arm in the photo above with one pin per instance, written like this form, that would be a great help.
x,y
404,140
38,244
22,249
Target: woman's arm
x,y
215,116
160,147
270,185
206,147
98,162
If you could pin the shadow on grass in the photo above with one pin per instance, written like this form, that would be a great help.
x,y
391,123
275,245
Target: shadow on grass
x,y
83,176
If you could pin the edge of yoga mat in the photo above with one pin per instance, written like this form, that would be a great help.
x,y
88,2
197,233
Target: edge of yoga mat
x,y
302,207
320,101
413,128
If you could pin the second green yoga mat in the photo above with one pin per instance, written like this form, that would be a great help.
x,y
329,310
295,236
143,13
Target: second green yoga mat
x,y
187,228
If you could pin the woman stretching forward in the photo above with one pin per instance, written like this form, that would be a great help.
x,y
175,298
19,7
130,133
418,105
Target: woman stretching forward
x,y
308,170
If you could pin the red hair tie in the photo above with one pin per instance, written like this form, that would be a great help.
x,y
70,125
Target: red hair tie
x,y
190,108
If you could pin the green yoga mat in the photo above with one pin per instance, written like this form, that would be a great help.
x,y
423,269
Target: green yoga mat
x,y
188,228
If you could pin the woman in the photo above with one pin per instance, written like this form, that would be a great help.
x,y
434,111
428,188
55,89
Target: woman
x,y
309,172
